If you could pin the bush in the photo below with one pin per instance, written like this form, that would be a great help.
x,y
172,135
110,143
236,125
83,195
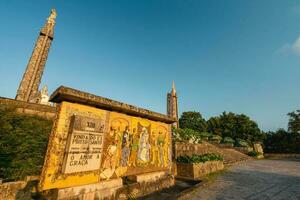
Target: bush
x,y
185,135
282,141
241,143
254,154
228,140
23,143
205,135
198,158
215,138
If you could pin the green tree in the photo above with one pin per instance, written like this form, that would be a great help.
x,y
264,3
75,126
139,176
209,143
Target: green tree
x,y
228,124
247,129
282,141
214,126
192,120
23,142
239,126
294,122
186,134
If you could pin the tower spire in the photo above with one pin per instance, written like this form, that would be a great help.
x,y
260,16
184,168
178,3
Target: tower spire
x,y
29,86
172,104
173,88
52,17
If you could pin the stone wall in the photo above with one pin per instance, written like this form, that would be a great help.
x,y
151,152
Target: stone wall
x,y
190,149
102,190
198,170
44,111
111,189
19,190
140,189
115,188
244,150
282,155
230,155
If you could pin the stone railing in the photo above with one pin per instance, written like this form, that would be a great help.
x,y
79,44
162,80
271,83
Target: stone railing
x,y
44,111
19,189
282,155
244,150
198,170
230,155
190,149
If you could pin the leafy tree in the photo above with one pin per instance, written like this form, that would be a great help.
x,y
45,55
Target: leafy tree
x,y
186,134
247,129
241,143
226,125
282,141
239,126
294,122
215,138
23,142
214,126
192,120
228,140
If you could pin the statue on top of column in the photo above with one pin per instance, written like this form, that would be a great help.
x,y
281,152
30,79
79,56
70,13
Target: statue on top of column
x,y
51,18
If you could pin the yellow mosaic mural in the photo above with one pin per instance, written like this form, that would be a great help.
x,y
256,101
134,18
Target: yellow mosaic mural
x,y
134,145
88,145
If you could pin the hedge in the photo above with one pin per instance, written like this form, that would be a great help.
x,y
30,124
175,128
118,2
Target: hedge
x,y
23,143
198,158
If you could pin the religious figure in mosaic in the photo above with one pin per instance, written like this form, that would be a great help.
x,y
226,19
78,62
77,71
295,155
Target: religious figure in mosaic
x,y
134,146
154,149
109,164
113,151
125,147
160,143
168,151
119,127
144,146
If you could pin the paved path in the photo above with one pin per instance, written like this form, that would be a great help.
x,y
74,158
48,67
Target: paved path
x,y
254,180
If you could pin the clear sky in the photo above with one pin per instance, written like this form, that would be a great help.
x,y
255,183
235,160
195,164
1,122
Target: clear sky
x,y
234,55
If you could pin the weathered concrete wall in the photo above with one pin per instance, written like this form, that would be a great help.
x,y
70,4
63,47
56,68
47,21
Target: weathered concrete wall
x,y
111,189
102,190
244,150
72,95
282,155
139,189
198,170
44,111
114,189
190,149
19,190
230,155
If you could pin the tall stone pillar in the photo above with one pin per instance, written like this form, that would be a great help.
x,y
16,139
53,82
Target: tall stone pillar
x,y
172,104
29,86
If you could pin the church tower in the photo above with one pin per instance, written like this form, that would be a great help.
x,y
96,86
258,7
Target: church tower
x,y
29,86
172,105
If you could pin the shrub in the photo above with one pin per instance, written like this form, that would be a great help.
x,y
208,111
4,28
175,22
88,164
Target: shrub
x,y
228,140
241,143
215,138
185,135
205,135
23,143
254,154
198,158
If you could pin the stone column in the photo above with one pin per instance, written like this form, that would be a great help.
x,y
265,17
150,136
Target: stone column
x,y
29,86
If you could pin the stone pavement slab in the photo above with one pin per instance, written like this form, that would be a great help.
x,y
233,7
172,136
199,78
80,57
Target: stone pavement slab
x,y
254,180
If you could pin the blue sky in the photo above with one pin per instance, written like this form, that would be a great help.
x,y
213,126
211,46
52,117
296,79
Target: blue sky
x,y
235,55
